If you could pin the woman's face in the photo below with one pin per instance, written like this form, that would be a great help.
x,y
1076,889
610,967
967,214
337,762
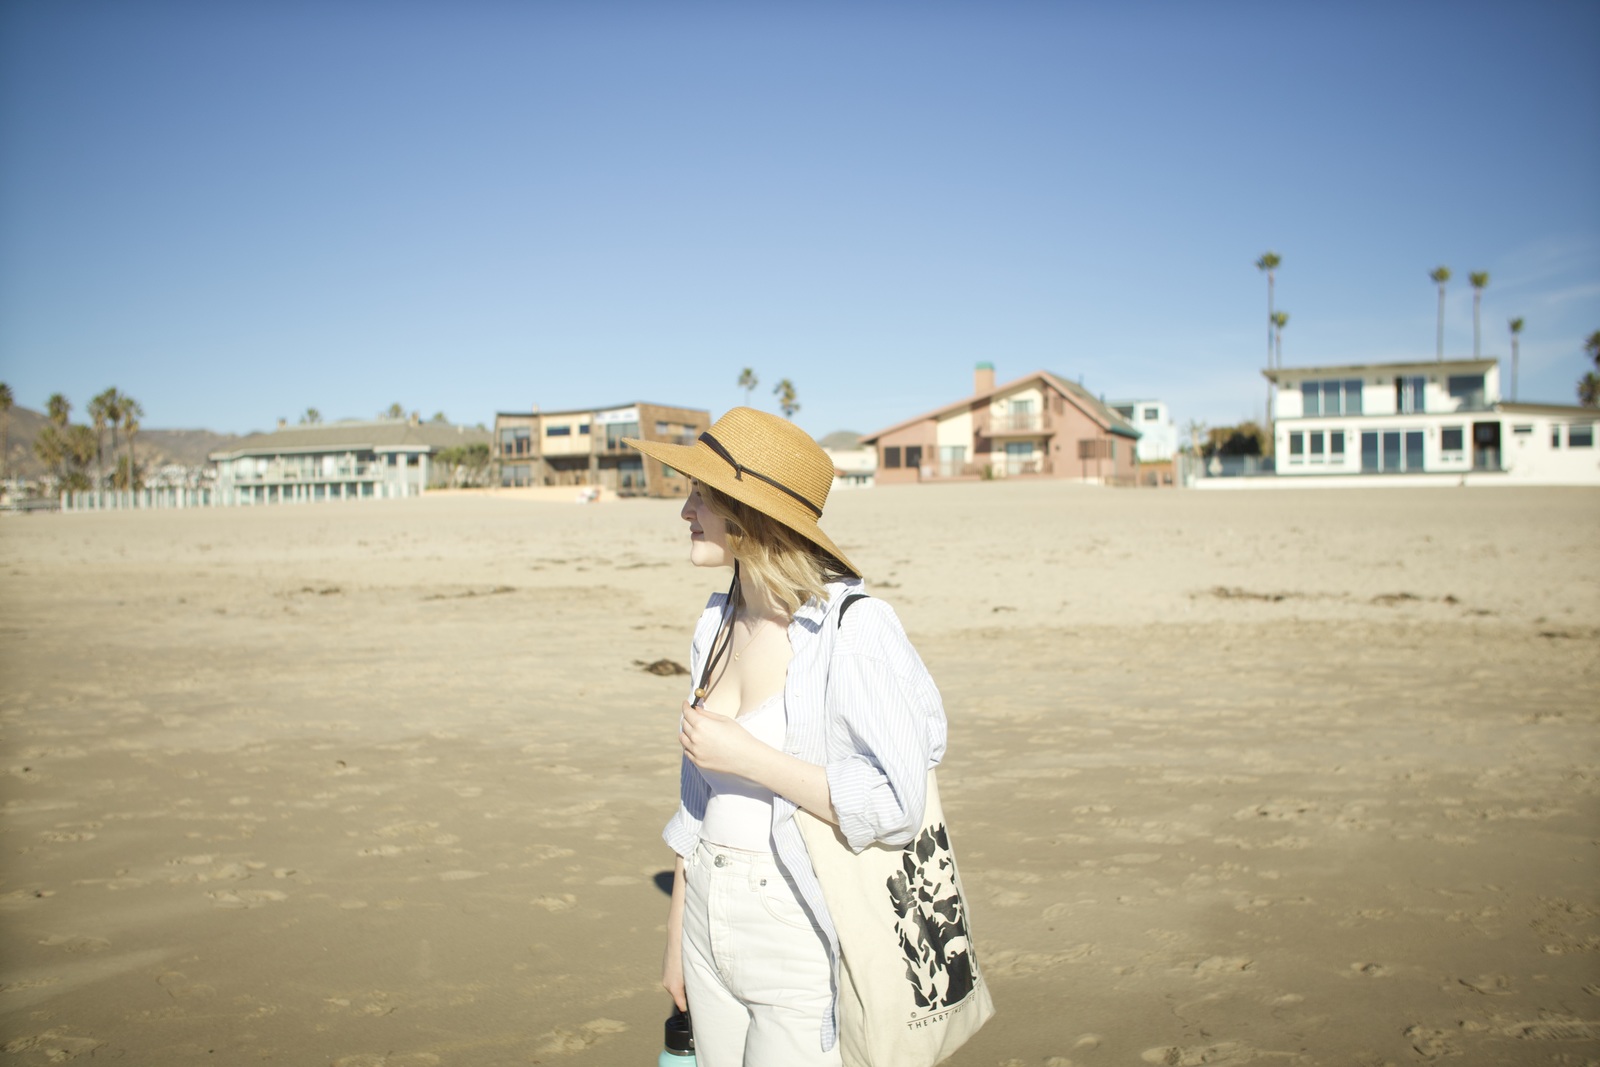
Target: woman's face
x,y
708,532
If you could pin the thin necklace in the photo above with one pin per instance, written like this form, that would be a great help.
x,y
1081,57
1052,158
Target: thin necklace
x,y
754,637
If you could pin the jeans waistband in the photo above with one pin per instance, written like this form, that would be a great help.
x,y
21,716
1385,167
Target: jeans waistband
x,y
724,856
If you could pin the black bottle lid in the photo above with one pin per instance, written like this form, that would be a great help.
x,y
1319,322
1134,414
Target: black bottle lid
x,y
680,1034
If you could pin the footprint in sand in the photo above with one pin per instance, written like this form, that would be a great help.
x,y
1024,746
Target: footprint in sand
x,y
1222,1054
178,986
57,837
57,1046
1555,1030
560,903
1223,965
1490,985
76,943
245,898
586,1036
1431,1044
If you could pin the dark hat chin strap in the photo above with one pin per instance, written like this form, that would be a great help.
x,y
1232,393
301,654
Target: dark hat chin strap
x,y
740,470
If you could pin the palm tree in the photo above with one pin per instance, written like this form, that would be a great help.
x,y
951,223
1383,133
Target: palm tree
x,y
132,412
1440,275
103,411
1516,328
1280,319
6,400
394,411
59,409
787,403
82,446
1479,279
1269,263
50,445
748,382
1589,384
312,417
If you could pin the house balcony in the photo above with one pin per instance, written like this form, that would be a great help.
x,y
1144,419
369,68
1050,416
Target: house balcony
x,y
1036,424
1000,468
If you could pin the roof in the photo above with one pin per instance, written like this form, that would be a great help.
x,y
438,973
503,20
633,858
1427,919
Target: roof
x,y
352,435
1089,404
1275,374
1514,407
596,410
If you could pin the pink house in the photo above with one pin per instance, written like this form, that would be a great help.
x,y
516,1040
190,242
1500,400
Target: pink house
x,y
1041,425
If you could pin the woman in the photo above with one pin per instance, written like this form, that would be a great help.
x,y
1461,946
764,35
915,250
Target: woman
x,y
790,710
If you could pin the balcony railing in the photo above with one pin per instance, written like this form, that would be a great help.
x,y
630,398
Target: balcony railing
x,y
1035,422
279,473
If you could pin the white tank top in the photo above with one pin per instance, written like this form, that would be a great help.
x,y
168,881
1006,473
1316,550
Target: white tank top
x,y
739,813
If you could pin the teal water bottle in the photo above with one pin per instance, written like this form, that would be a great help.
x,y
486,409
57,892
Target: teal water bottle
x,y
678,1048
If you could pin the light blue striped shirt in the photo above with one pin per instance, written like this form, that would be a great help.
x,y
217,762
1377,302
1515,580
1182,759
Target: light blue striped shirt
x,y
869,714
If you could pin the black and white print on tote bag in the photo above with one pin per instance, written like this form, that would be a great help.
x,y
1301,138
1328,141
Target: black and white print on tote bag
x,y
932,922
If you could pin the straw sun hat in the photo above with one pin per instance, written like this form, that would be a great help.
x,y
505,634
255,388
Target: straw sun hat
x,y
763,461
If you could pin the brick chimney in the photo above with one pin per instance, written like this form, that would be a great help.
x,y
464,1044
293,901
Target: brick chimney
x,y
983,378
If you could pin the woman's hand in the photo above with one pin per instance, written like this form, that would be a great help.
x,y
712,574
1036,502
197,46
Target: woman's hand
x,y
716,743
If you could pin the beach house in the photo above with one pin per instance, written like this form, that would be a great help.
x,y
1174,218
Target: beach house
x,y
1158,439
1426,421
1041,425
345,460
583,446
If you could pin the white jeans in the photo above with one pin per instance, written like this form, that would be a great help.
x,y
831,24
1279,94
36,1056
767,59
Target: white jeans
x,y
755,970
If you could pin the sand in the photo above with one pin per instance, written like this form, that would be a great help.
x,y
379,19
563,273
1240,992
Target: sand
x,y
1288,778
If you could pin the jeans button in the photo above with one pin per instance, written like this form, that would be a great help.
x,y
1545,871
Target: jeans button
x,y
721,861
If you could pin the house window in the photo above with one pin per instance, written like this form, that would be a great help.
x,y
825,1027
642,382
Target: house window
x,y
1555,435
1451,439
661,429
558,431
515,441
1580,435
1297,446
891,456
1468,390
1522,428
1341,397
616,431
584,428
1336,444
913,455
1319,445
1391,451
952,458
1152,414
514,475
1408,395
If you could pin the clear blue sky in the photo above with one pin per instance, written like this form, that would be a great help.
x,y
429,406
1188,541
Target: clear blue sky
x,y
235,211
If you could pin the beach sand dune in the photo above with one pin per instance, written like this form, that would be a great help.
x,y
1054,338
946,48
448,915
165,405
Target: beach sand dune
x,y
1281,778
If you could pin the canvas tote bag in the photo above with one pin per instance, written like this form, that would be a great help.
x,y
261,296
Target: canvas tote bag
x,y
910,992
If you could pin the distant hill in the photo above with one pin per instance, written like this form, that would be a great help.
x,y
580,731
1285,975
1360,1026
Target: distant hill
x,y
841,439
156,448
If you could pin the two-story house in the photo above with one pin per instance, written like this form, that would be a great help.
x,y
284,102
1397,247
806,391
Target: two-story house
x,y
1040,425
1426,418
584,447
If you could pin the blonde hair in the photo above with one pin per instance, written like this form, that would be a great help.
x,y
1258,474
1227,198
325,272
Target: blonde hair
x,y
790,568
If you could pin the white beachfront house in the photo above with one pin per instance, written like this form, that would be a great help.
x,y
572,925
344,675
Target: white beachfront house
x,y
1431,421
1158,434
346,460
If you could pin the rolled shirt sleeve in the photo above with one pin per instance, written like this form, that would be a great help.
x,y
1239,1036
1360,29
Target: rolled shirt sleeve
x,y
887,729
